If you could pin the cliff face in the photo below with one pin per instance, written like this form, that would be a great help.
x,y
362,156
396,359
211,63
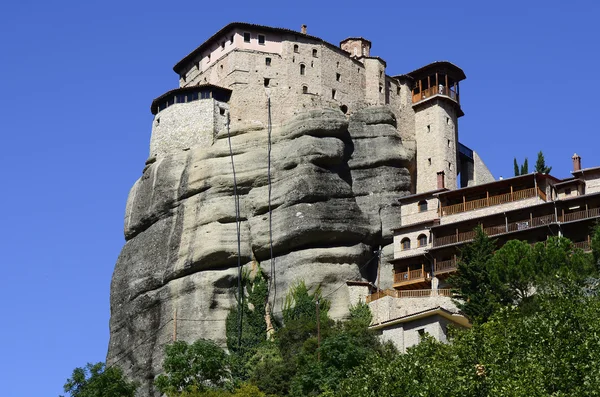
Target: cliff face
x,y
335,184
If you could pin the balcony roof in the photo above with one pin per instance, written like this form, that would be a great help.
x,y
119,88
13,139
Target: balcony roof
x,y
454,317
585,170
186,90
417,196
449,67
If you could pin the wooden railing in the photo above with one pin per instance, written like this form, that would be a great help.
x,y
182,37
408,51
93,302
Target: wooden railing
x,y
444,266
429,92
492,200
495,230
411,293
575,216
409,275
584,245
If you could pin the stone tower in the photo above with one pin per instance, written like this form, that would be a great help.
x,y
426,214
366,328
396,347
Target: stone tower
x,y
436,102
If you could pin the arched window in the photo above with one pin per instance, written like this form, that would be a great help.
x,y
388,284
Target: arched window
x,y
405,243
315,52
296,48
305,89
422,240
422,206
302,69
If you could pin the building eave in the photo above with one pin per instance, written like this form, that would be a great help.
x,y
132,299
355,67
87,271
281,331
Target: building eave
x,y
454,317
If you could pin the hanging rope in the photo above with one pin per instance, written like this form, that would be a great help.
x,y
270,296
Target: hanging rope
x,y
237,225
272,279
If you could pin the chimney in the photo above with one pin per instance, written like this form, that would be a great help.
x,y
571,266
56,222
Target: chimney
x,y
576,162
303,29
440,180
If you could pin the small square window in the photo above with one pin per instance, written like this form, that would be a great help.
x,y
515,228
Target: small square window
x,y
296,49
266,82
246,37
315,52
268,61
222,111
421,333
338,77
261,39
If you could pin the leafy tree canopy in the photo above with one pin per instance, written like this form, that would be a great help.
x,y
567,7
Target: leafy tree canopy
x,y
95,380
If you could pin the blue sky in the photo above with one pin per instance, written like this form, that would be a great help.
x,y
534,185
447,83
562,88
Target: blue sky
x,y
77,79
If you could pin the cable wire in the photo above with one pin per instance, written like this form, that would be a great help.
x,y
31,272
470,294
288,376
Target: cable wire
x,y
272,280
237,225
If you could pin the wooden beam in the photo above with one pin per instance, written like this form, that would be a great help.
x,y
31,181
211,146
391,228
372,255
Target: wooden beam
x,y
447,88
437,84
428,82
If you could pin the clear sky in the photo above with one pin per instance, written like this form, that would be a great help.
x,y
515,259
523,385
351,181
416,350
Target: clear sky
x,y
77,79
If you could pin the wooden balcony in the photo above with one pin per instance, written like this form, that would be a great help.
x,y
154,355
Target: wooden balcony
x,y
411,293
435,90
444,268
491,201
579,215
495,230
412,278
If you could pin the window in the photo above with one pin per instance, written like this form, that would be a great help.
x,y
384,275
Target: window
x,y
422,240
380,88
405,244
567,192
296,50
231,39
380,74
315,52
429,128
205,95
246,37
397,90
448,142
183,77
266,82
344,109
337,64
268,61
429,159
302,69
422,206
222,111
198,65
222,45
261,39
421,334
304,89
332,94
338,77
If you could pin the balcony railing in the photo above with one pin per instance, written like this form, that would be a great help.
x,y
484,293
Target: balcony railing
x,y
441,267
410,276
491,200
583,245
435,90
585,214
495,230
411,293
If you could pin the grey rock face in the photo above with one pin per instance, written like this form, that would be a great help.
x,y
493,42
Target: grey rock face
x,y
335,184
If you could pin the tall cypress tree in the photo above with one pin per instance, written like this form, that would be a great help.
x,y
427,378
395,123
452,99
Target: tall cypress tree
x,y
540,164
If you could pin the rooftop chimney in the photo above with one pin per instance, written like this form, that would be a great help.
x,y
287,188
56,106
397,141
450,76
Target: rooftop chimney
x,y
440,180
576,162
303,29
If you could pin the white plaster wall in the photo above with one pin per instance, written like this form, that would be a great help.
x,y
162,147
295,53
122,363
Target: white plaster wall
x,y
389,308
414,248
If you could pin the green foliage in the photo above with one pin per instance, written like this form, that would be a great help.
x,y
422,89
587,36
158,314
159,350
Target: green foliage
x,y
540,164
596,246
523,170
472,283
245,390
95,380
193,368
516,167
254,326
513,272
551,351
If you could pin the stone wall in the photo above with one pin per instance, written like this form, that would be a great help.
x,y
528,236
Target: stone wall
x,y
437,137
184,125
492,210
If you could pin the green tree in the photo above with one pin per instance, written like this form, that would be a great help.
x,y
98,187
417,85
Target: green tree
x,y
516,167
596,246
551,351
513,271
254,325
540,164
96,380
198,367
472,283
525,167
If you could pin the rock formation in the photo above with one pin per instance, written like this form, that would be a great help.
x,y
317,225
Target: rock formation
x,y
335,181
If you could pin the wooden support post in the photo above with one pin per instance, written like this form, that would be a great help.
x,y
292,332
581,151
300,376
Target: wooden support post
x,y
457,235
437,84
464,204
447,87
562,218
487,194
511,193
428,82
435,259
506,221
